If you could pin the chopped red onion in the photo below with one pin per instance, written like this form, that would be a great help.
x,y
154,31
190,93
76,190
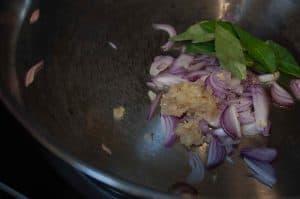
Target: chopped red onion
x,y
197,173
181,64
261,154
261,107
160,64
204,126
262,171
242,103
152,86
169,124
30,75
217,81
224,138
246,117
250,129
266,131
170,30
269,78
196,75
166,80
230,122
281,96
295,88
34,16
216,153
153,106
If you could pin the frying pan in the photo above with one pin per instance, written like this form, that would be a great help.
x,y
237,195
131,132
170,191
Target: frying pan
x,y
68,108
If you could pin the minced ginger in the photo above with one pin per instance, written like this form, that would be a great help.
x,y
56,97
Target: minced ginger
x,y
194,100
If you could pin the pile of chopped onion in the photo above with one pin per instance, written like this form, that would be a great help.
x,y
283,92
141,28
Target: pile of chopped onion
x,y
243,107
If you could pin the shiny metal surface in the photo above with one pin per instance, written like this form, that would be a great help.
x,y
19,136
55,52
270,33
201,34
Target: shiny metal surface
x,y
69,106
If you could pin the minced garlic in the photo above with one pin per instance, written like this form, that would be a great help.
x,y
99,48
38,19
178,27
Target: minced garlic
x,y
194,100
189,133
191,98
118,113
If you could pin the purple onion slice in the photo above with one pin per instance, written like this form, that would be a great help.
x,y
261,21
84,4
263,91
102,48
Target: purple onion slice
x,y
169,124
261,154
230,122
170,30
216,153
281,96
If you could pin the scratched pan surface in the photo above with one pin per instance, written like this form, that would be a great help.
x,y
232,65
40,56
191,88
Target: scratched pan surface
x,y
69,106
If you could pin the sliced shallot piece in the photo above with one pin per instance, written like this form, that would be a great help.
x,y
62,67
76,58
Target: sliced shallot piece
x,y
166,80
266,131
34,16
153,106
250,129
216,153
195,75
169,124
262,171
262,154
197,173
160,64
281,96
242,103
30,75
295,88
204,126
246,117
224,138
170,30
261,107
181,64
269,78
230,122
217,81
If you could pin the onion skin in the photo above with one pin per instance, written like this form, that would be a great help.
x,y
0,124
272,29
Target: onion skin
x,y
295,88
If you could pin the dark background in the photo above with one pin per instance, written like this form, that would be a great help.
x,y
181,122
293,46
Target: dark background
x,y
23,167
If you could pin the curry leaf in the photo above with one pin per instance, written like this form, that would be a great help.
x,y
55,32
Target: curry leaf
x,y
195,33
210,26
229,52
289,68
285,60
257,49
281,53
203,48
